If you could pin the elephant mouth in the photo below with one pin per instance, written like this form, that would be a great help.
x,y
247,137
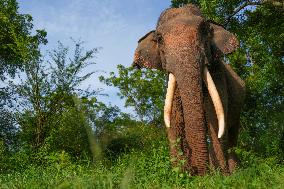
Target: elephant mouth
x,y
212,92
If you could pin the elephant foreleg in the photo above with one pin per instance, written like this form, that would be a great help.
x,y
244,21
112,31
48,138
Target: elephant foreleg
x,y
233,133
178,146
236,97
217,147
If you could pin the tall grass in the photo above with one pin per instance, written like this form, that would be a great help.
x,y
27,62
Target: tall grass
x,y
146,164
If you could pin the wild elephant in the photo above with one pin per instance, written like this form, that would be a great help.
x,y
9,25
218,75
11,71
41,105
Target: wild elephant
x,y
204,96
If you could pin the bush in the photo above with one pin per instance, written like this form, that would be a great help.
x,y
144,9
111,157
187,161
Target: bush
x,y
139,137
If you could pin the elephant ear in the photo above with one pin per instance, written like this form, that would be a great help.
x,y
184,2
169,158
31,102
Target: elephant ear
x,y
223,40
146,35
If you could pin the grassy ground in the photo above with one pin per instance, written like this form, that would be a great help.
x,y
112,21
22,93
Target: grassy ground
x,y
145,164
144,169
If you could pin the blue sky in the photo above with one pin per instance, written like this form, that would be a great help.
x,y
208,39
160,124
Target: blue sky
x,y
114,25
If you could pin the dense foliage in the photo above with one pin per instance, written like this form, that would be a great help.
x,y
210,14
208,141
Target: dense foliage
x,y
18,46
148,166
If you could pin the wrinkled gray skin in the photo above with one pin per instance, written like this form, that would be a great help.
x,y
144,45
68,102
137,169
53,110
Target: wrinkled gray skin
x,y
182,44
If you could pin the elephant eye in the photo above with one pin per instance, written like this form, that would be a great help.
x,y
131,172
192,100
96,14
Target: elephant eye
x,y
158,38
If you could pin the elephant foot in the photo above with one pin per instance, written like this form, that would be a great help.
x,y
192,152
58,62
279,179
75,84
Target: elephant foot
x,y
212,160
214,163
233,162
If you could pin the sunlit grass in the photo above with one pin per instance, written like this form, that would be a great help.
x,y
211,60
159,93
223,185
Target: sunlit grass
x,y
142,169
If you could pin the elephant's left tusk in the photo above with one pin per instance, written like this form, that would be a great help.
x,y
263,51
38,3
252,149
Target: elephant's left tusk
x,y
216,101
169,100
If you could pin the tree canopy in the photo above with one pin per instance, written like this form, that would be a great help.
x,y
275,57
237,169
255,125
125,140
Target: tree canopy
x,y
18,45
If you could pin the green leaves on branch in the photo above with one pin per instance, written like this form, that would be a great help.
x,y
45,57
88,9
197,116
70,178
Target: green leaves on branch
x,y
47,95
143,90
17,45
67,75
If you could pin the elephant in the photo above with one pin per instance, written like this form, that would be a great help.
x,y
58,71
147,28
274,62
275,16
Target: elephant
x,y
204,95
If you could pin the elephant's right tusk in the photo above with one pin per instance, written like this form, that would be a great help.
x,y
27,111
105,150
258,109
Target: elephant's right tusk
x,y
169,100
216,101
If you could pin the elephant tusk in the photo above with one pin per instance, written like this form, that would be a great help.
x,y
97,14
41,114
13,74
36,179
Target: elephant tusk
x,y
216,101
169,100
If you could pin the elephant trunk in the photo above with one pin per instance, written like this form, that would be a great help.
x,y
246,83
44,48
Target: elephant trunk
x,y
189,80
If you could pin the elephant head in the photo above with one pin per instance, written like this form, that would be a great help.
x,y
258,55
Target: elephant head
x,y
184,44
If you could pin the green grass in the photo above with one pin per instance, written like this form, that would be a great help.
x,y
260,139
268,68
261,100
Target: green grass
x,y
143,169
144,163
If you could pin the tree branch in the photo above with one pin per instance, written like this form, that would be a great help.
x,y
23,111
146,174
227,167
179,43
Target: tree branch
x,y
253,3
241,7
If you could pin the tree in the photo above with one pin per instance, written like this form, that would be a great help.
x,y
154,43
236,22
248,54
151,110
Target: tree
x,y
48,93
144,90
8,132
17,45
